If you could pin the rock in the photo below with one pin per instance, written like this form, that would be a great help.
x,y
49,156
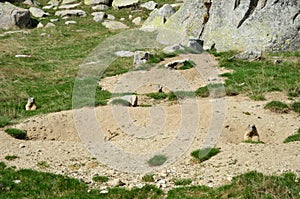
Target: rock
x,y
140,57
249,55
176,5
158,17
196,45
271,25
54,2
122,19
132,100
117,4
36,12
130,17
99,16
63,13
48,25
17,181
96,2
70,22
116,183
53,20
21,146
114,25
173,48
111,17
150,5
31,2
40,25
137,21
124,53
65,2
100,7
13,17
104,191
69,6
48,7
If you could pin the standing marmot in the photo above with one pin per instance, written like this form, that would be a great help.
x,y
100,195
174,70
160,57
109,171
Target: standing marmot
x,y
252,134
30,106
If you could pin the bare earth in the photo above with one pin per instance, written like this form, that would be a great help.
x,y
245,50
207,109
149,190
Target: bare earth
x,y
54,138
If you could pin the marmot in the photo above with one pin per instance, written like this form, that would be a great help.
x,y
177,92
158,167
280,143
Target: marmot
x,y
252,134
30,106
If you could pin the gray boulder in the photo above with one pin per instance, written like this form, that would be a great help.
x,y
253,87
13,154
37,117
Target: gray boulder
x,y
36,12
137,21
124,53
253,25
69,6
96,2
63,13
65,2
173,48
13,17
117,4
158,18
99,16
150,5
114,25
100,7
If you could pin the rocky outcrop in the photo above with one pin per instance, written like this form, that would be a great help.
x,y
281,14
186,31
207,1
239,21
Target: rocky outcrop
x,y
255,25
13,17
117,4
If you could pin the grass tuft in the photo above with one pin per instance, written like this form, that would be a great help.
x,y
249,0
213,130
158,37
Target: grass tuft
x,y
277,107
157,160
293,138
186,181
148,178
205,154
121,102
296,107
101,179
157,96
16,133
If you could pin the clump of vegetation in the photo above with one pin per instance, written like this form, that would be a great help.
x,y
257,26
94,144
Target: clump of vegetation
x,y
205,153
11,157
43,165
101,179
4,120
159,56
277,107
296,107
258,97
248,185
120,102
187,65
186,181
157,96
293,138
157,160
259,77
16,133
253,142
202,91
148,178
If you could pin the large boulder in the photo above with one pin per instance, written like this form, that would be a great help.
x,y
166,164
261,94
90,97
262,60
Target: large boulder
x,y
117,4
158,17
253,25
78,13
13,17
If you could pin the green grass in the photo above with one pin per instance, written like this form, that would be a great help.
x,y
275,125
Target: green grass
x,y
187,65
16,133
34,184
204,154
101,179
43,165
4,120
296,107
148,178
11,157
159,56
202,91
249,185
121,102
277,107
186,181
259,77
157,160
293,138
157,96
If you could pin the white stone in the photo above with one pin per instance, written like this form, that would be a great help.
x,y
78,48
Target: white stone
x,y
70,22
36,12
137,21
114,25
69,6
123,3
150,5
